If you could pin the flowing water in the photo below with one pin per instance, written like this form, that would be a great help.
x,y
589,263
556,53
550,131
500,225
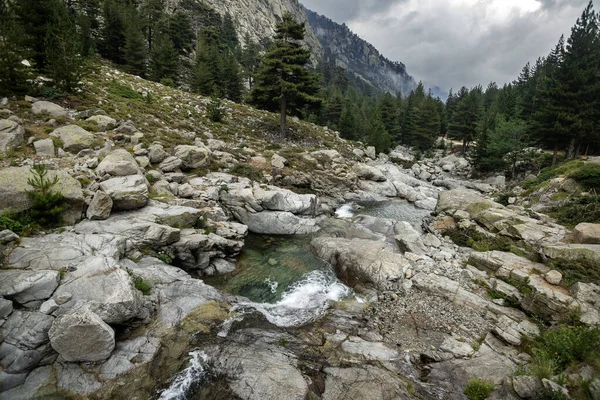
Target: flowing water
x,y
282,279
285,282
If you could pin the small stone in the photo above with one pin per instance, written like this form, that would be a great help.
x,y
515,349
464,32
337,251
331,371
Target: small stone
x,y
63,298
48,307
553,277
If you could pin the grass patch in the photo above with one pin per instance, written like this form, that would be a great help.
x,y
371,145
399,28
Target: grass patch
x,y
546,174
585,208
247,171
478,389
587,176
573,271
118,89
142,285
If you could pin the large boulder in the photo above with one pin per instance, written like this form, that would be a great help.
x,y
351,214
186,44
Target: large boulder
x,y
46,107
156,153
82,336
369,173
362,261
118,163
14,187
573,252
276,222
127,192
11,135
192,156
26,286
102,286
364,382
74,138
104,122
587,233
451,201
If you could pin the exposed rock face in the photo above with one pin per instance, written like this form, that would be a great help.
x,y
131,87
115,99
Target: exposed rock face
x,y
258,19
11,135
462,199
82,336
74,138
14,187
344,49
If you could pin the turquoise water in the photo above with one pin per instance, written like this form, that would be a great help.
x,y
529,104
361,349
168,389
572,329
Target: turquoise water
x,y
269,266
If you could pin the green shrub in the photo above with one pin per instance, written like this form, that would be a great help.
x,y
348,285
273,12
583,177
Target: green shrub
x,y
543,365
503,198
247,171
121,90
7,222
478,389
47,204
587,176
142,285
582,270
568,344
585,208
215,110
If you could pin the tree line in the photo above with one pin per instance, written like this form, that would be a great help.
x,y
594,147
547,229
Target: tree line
x,y
553,104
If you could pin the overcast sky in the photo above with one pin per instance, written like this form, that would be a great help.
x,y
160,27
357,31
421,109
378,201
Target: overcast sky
x,y
451,43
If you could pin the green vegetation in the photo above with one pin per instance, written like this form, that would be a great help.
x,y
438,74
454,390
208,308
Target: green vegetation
x,y
478,389
247,171
215,110
142,285
481,242
282,81
584,208
560,350
588,176
581,270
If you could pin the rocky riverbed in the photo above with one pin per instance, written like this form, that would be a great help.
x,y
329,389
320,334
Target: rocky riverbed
x,y
355,288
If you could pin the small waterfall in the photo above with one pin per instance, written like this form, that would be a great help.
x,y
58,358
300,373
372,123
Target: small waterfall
x,y
305,300
345,211
192,376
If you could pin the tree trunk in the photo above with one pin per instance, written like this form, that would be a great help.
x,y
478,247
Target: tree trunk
x,y
283,116
464,149
555,154
577,150
571,149
587,149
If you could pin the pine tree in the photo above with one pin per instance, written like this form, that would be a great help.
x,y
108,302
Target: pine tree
x,y
232,80
465,118
378,137
347,123
334,110
283,81
178,27
250,59
390,114
207,66
13,74
580,81
548,118
63,50
134,51
34,16
152,12
427,125
112,34
228,33
164,60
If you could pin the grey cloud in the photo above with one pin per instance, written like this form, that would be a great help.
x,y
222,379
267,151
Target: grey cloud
x,y
350,10
451,46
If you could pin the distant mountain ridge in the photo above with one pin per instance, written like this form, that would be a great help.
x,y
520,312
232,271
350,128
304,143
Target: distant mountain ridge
x,y
347,50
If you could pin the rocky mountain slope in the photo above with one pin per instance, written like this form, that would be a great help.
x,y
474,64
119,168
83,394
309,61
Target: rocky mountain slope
x,y
345,49
117,305
258,18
